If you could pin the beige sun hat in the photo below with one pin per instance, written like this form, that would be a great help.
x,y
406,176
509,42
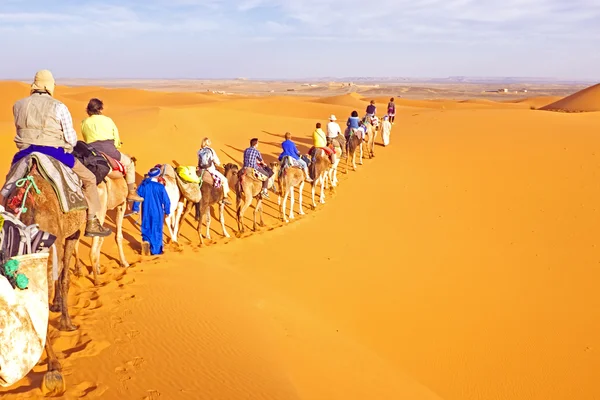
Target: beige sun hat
x,y
332,118
43,81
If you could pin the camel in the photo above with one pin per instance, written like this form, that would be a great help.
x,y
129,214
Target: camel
x,y
353,144
44,210
319,169
212,195
333,171
181,206
247,189
113,195
177,200
287,179
369,141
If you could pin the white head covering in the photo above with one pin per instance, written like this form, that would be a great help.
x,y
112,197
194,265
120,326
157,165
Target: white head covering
x,y
332,118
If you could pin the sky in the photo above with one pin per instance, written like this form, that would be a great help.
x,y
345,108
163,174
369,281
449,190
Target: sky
x,y
300,38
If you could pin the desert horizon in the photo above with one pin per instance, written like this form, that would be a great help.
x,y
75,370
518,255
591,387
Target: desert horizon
x,y
458,263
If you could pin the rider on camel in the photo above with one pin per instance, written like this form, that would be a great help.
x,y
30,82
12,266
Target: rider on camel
x,y
208,159
253,159
320,142
45,125
290,150
101,132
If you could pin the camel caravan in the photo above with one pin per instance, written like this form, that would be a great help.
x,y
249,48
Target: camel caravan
x,y
59,188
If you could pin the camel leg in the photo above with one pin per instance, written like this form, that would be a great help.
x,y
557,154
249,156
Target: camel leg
x,y
323,182
65,282
178,215
354,160
208,219
181,218
360,160
260,213
77,270
222,219
254,215
247,204
120,215
292,202
239,213
57,302
95,257
283,206
300,189
348,158
53,383
313,188
169,221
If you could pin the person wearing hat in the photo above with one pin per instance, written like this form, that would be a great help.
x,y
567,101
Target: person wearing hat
x,y
155,206
334,133
101,131
45,125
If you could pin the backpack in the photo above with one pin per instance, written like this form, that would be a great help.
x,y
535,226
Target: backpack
x,y
205,158
93,160
17,239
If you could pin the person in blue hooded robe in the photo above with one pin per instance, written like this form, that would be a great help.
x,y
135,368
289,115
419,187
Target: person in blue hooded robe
x,y
155,206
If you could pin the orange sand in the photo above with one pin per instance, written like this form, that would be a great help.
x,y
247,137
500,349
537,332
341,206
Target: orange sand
x,y
585,100
461,263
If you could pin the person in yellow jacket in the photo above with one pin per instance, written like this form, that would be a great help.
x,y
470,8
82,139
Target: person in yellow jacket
x,y
320,142
101,132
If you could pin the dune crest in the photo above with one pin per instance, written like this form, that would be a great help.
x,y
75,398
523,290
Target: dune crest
x,y
586,100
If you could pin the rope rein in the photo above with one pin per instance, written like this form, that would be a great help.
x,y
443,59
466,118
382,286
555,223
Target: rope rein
x,y
30,183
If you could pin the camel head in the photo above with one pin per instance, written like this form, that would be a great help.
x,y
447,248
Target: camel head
x,y
134,160
230,167
275,166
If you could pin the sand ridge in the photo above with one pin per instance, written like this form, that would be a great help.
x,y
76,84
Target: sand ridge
x,y
585,100
459,263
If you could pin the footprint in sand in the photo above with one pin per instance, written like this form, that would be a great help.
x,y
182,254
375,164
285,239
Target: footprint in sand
x,y
152,395
132,334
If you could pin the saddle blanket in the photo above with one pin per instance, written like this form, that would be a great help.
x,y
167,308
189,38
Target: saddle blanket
x,y
288,162
64,181
257,174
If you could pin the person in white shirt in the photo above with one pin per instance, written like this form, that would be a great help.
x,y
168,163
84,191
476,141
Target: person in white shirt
x,y
208,159
334,133
386,129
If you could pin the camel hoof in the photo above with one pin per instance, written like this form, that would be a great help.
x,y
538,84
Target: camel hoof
x,y
77,272
292,216
302,213
55,308
227,235
64,327
53,384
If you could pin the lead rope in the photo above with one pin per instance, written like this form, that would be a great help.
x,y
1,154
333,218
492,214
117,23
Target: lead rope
x,y
20,183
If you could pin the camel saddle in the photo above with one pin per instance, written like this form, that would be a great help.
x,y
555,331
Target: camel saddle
x,y
117,168
288,162
66,184
253,173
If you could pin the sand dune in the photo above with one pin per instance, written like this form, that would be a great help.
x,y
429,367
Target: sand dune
x,y
460,263
585,100
536,102
352,100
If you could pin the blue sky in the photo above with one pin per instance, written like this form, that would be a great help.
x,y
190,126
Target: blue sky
x,y
300,38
